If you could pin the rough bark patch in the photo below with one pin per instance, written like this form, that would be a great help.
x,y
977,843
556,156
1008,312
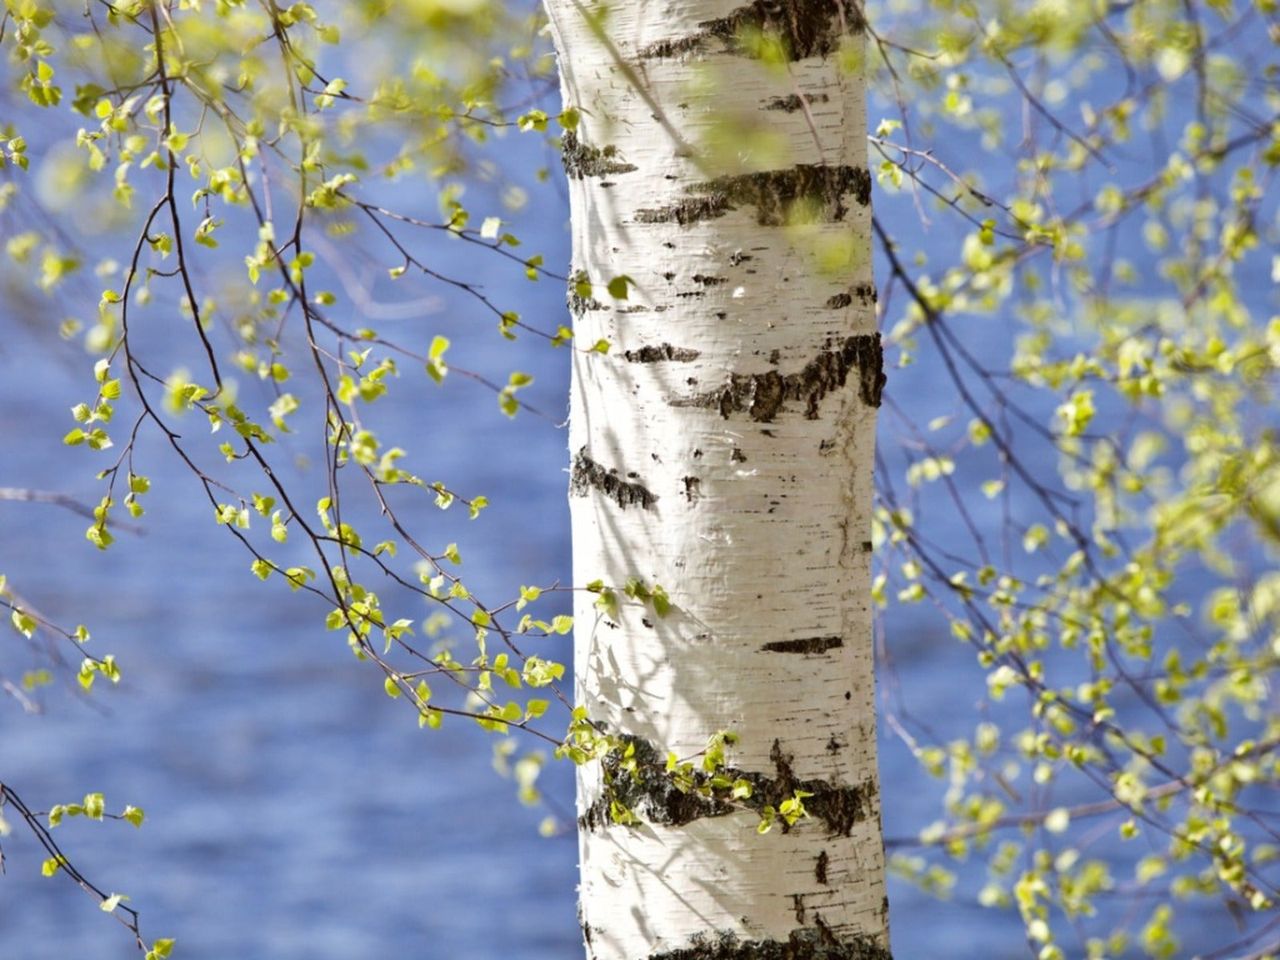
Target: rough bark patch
x,y
804,645
806,943
865,292
663,351
645,788
763,395
578,304
807,28
820,868
795,102
587,475
582,161
806,191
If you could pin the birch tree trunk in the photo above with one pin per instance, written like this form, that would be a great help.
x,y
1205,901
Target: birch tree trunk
x,y
723,449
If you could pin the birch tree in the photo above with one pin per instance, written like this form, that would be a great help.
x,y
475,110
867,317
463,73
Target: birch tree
x,y
294,253
723,452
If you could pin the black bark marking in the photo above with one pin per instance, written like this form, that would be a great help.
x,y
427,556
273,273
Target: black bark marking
x,y
709,281
692,489
818,942
797,900
578,304
687,211
762,395
869,359
820,868
648,791
808,28
737,456
663,351
587,475
813,189
804,645
795,102
865,292
582,161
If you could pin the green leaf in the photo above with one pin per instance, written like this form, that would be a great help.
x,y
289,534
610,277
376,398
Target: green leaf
x,y
23,623
94,806
618,287
436,365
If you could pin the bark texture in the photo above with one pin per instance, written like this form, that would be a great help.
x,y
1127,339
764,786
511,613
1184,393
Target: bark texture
x,y
723,449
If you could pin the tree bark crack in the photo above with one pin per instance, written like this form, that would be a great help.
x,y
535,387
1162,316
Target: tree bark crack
x,y
795,102
663,351
818,942
807,28
643,785
806,191
587,475
763,395
581,160
804,645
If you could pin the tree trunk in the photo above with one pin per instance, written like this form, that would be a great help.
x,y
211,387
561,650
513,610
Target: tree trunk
x,y
723,450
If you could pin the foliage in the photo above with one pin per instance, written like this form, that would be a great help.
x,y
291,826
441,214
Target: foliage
x,y
1087,182
1102,173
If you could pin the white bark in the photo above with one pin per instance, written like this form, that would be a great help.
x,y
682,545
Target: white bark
x,y
723,449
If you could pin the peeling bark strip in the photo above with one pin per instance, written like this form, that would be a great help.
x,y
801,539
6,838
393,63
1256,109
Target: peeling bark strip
x,y
762,395
663,351
581,160
794,102
807,943
587,475
815,190
808,28
651,793
804,645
